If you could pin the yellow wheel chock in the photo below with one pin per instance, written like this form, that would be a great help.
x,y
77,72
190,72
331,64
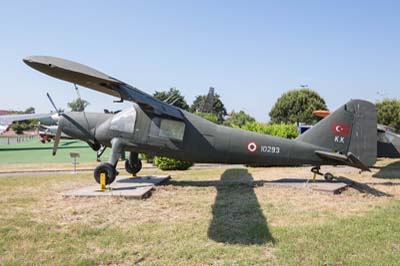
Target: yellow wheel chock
x,y
103,187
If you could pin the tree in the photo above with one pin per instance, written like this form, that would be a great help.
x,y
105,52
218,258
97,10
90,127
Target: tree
x,y
78,105
297,106
209,116
173,96
30,110
389,113
238,119
218,107
20,126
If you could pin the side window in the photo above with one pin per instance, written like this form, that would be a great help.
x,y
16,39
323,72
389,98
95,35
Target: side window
x,y
167,128
172,129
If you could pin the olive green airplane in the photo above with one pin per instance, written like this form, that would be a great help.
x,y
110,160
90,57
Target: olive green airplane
x,y
346,137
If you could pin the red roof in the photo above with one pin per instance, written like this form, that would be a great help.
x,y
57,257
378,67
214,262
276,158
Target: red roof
x,y
5,112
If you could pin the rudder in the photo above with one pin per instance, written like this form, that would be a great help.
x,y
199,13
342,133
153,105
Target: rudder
x,y
351,128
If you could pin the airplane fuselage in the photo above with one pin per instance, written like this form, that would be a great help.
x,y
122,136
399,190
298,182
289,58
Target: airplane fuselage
x,y
192,139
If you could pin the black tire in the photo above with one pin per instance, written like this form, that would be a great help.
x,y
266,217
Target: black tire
x,y
328,177
108,169
133,168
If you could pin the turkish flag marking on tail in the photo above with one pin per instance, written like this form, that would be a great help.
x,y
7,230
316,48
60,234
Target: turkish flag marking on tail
x,y
341,129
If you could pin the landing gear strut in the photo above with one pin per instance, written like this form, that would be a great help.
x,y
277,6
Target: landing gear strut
x,y
134,164
316,170
109,168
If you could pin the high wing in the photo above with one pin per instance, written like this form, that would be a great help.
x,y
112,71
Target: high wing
x,y
88,77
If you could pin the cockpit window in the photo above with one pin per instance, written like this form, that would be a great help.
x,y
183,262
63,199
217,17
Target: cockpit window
x,y
124,121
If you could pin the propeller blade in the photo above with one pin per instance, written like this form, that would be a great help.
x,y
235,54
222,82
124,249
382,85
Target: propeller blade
x,y
52,103
57,140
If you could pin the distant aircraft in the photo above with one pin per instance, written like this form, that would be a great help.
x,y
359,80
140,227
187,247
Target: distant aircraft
x,y
47,133
7,120
346,137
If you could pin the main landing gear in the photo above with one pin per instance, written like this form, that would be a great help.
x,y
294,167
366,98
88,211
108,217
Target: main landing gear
x,y
132,166
316,170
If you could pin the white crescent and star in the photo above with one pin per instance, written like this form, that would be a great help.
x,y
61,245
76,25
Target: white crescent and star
x,y
339,128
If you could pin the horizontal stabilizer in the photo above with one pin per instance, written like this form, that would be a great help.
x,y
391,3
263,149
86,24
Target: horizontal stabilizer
x,y
349,159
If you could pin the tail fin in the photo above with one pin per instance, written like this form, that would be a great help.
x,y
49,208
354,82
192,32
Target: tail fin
x,y
350,129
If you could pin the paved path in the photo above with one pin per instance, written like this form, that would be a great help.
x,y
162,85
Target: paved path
x,y
90,170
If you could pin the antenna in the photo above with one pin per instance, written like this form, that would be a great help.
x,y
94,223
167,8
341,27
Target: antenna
x,y
77,91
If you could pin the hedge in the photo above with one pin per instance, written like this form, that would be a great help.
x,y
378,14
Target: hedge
x,y
288,131
165,163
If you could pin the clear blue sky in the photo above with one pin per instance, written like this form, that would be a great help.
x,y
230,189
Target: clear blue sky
x,y
250,51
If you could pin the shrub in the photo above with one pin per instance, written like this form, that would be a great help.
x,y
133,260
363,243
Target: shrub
x,y
165,163
146,157
288,131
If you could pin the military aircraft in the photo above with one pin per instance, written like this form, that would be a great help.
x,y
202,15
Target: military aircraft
x,y
48,133
346,137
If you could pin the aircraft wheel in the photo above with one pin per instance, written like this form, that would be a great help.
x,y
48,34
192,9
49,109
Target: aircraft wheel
x,y
328,177
133,168
106,168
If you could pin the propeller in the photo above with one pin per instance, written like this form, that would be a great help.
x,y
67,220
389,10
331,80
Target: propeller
x,y
57,140
53,104
65,118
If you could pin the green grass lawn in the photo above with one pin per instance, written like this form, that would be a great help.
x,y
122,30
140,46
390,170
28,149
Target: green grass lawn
x,y
34,151
201,217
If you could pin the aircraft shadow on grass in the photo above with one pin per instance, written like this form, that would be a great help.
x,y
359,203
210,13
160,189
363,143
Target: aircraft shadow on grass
x,y
390,171
237,217
69,142
364,187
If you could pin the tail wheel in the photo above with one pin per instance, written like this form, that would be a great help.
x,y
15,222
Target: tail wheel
x,y
107,169
133,168
328,177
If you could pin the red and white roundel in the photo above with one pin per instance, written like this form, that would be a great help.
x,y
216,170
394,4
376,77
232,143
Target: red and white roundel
x,y
252,147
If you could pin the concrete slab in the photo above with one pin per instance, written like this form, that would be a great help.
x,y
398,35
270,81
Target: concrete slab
x,y
334,187
126,187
